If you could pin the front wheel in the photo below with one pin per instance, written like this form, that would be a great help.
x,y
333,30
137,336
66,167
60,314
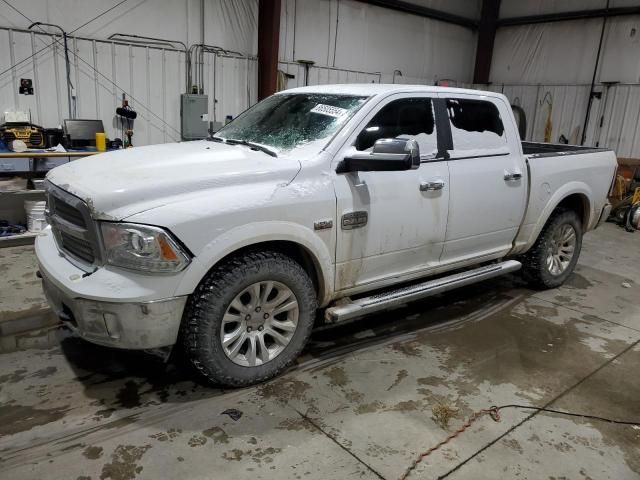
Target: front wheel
x,y
249,318
554,255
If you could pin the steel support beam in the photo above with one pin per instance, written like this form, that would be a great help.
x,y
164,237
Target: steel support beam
x,y
268,39
564,16
486,38
421,11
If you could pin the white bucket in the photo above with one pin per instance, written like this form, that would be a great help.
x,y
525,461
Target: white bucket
x,y
36,221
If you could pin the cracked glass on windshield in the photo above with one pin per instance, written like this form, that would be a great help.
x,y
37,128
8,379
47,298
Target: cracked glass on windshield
x,y
289,121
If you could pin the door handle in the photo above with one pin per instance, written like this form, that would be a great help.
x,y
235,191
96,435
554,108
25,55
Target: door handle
x,y
512,176
431,186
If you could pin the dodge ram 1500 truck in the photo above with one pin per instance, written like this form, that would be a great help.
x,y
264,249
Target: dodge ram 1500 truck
x,y
343,199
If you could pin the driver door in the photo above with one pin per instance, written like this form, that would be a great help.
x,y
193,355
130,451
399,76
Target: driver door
x,y
392,225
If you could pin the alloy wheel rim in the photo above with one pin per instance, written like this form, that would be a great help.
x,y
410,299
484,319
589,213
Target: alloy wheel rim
x,y
259,323
561,250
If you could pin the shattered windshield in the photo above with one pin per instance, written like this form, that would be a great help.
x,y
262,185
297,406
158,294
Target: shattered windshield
x,y
289,121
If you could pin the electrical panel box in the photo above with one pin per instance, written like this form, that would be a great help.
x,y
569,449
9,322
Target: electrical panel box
x,y
194,116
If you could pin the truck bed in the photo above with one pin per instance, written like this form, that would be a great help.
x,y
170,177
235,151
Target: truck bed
x,y
586,171
535,149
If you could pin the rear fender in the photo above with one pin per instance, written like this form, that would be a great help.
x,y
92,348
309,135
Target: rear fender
x,y
529,234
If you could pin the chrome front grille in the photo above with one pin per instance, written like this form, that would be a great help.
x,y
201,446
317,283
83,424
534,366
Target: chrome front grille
x,y
72,226
68,213
78,247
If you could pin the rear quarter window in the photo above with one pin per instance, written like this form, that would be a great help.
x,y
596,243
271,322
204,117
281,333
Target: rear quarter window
x,y
476,127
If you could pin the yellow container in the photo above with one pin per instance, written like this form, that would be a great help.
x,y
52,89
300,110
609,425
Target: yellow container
x,y
101,142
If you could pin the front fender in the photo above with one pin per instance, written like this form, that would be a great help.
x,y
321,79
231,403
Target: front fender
x,y
258,232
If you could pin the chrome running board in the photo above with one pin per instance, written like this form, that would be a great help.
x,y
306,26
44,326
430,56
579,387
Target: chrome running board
x,y
400,296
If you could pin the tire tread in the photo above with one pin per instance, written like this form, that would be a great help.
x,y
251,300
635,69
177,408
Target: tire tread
x,y
534,269
196,339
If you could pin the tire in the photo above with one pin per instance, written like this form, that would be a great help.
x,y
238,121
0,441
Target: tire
x,y
538,269
211,315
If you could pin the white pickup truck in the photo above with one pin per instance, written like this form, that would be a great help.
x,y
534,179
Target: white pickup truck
x,y
343,199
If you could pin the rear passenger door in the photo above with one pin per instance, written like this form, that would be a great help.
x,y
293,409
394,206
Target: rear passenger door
x,y
487,178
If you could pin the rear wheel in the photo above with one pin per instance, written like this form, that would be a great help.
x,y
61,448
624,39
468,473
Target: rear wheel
x,y
554,255
249,318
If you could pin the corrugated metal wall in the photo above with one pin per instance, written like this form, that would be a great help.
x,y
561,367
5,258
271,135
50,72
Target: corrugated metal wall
x,y
152,78
319,75
621,120
355,36
564,106
233,81
552,54
614,121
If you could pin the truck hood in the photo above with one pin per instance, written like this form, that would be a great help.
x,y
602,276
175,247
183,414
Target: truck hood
x,y
122,183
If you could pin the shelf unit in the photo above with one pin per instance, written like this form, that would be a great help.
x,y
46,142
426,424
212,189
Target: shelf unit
x,y
12,209
26,238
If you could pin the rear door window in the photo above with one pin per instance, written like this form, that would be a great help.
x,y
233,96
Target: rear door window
x,y
476,128
409,118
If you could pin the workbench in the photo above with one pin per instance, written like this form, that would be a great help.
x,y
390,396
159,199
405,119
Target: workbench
x,y
44,154
38,161
28,165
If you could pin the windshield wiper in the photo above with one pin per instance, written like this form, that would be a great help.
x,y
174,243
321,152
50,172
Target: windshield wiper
x,y
234,141
255,146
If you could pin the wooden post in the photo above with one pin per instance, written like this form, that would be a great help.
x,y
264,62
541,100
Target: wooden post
x,y
486,37
268,39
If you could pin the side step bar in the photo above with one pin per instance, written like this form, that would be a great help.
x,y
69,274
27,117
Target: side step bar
x,y
383,301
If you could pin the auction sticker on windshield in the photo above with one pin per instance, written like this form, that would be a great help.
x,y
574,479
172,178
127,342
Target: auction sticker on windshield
x,y
329,110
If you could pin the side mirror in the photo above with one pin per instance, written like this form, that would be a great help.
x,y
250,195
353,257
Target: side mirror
x,y
388,155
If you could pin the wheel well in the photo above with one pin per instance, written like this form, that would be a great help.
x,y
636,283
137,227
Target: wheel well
x,y
293,250
578,203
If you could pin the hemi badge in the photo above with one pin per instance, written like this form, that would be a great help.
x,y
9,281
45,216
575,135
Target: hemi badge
x,y
322,224
353,220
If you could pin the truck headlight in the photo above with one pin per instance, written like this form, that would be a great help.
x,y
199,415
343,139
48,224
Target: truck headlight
x,y
142,247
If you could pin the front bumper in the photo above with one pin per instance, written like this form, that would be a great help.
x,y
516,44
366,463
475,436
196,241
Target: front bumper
x,y
136,326
111,308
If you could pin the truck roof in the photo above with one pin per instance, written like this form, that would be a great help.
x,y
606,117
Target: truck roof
x,y
371,89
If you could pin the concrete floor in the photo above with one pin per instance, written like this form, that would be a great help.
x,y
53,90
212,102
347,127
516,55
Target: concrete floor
x,y
359,402
23,307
